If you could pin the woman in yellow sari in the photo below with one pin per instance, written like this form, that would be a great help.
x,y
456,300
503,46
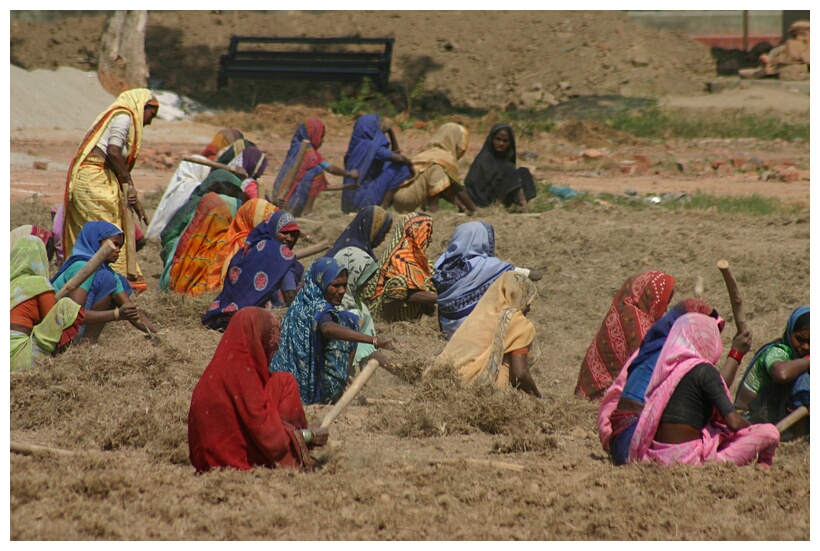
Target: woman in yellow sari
x,y
435,174
102,164
496,341
249,215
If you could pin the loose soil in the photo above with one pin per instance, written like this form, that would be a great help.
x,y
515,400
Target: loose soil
x,y
407,471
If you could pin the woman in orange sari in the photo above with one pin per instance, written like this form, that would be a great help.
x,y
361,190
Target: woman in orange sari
x,y
249,215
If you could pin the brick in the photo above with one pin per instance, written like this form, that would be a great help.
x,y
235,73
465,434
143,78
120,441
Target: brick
x,y
737,162
791,174
641,158
40,165
593,154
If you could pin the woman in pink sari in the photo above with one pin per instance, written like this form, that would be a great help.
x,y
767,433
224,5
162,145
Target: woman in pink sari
x,y
688,416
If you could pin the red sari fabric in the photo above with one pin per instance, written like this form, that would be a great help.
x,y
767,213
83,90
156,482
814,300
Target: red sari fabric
x,y
241,415
315,129
641,301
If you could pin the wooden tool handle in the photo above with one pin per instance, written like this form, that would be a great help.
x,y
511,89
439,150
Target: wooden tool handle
x,y
350,393
792,418
34,449
213,164
313,249
130,240
290,178
734,294
86,271
698,287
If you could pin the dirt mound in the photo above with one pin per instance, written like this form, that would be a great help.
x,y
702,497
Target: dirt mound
x,y
592,134
471,58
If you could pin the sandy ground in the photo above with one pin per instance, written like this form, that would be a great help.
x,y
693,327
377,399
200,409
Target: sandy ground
x,y
410,466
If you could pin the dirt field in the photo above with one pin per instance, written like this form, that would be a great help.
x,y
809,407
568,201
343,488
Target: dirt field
x,y
407,471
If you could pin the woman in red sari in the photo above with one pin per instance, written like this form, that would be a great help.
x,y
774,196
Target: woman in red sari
x,y
242,415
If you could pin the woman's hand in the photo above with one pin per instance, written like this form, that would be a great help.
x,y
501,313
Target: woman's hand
x,y
320,436
355,175
742,342
391,344
128,311
386,128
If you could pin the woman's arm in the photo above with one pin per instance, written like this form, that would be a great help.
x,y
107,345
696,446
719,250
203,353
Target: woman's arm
x,y
520,376
337,171
742,343
130,312
786,372
422,297
394,143
337,332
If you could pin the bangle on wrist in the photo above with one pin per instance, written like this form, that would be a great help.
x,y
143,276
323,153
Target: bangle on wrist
x,y
116,314
736,355
307,435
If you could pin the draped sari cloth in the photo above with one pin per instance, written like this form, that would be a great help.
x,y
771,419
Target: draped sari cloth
x,y
254,163
255,273
640,302
370,226
222,140
464,273
234,150
191,266
403,267
774,401
646,355
693,340
320,366
23,231
368,152
92,191
310,175
241,415
492,176
248,216
495,327
188,176
360,268
444,149
182,217
28,270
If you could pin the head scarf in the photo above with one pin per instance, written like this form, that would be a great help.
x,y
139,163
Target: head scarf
x,y
406,256
256,271
301,350
360,268
369,226
694,339
495,327
252,161
222,139
640,302
445,148
464,273
28,269
41,233
366,140
312,130
492,176
241,415
233,151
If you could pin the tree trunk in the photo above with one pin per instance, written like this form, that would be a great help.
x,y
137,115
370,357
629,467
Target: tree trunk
x,y
122,63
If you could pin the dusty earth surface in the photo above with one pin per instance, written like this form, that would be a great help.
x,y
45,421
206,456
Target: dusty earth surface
x,y
408,464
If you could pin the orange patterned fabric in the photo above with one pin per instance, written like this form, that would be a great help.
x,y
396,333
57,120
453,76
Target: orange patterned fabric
x,y
641,301
407,256
249,215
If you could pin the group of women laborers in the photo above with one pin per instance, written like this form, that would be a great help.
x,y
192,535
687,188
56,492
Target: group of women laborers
x,y
663,397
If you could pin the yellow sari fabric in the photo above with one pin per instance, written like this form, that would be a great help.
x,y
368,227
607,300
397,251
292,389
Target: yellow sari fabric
x,y
494,328
249,215
92,191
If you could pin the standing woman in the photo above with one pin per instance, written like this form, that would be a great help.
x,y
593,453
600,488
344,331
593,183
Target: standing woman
x,y
777,379
493,177
241,415
103,162
688,417
310,175
378,160
465,271
640,302
40,326
436,174
366,231
263,267
496,341
402,290
105,294
317,340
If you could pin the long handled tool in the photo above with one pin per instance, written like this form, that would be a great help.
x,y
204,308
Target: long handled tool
x,y
130,238
698,287
213,164
313,249
350,393
290,177
86,271
792,418
734,295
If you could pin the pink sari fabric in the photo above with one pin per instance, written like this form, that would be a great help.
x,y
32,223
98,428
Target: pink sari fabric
x,y
609,403
695,339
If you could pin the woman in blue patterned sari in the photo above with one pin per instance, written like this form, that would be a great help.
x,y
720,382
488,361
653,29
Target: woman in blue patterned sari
x,y
317,341
465,271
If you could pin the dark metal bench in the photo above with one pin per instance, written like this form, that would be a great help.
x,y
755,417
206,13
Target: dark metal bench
x,y
341,59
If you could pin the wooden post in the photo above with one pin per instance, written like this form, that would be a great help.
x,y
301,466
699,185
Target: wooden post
x,y
290,177
734,295
86,271
350,393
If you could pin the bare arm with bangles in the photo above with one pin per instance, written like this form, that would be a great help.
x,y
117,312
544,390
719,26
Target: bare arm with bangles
x,y
334,331
741,343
